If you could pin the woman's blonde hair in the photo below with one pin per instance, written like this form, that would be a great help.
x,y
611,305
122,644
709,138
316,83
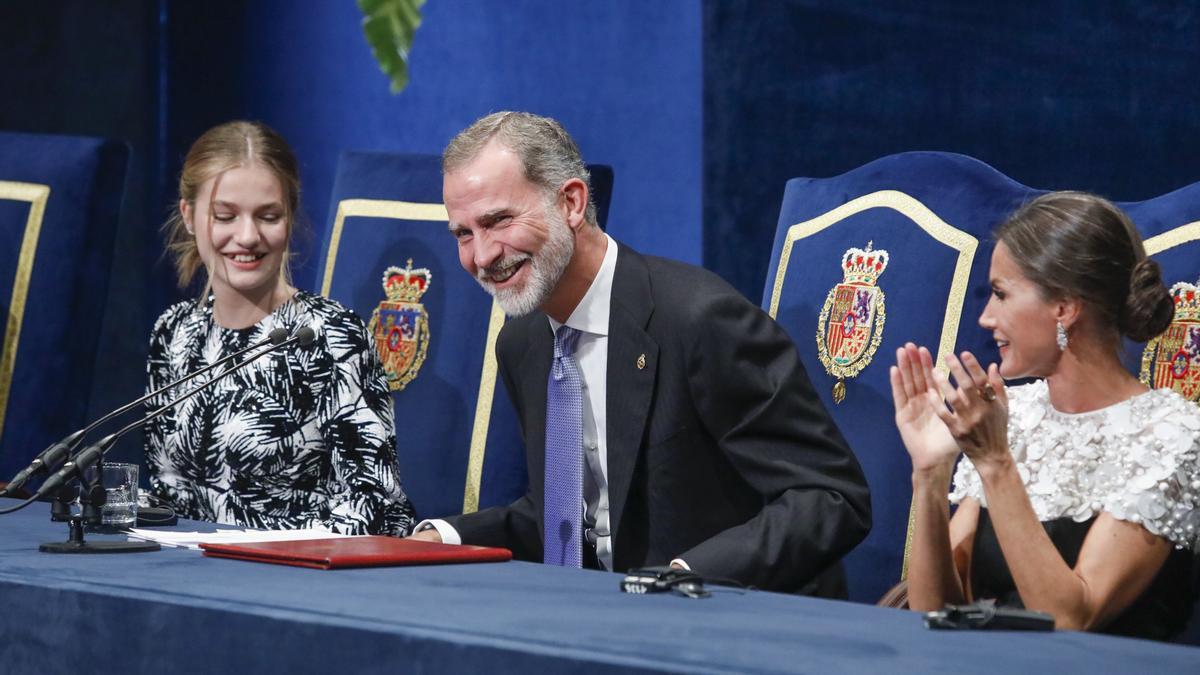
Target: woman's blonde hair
x,y
221,148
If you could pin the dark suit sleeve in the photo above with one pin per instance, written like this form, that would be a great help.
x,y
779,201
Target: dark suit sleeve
x,y
756,401
514,526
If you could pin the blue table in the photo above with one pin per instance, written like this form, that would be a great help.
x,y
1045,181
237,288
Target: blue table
x,y
177,611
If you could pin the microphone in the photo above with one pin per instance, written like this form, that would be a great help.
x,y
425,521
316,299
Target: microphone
x,y
52,457
89,456
44,463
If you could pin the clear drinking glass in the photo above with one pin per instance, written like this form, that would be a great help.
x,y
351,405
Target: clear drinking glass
x,y
120,498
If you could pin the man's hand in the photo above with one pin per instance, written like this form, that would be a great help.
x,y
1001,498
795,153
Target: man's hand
x,y
427,535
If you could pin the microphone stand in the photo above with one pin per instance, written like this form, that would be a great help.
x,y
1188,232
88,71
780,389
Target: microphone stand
x,y
93,495
53,457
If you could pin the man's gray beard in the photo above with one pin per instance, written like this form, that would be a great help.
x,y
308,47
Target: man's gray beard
x,y
546,268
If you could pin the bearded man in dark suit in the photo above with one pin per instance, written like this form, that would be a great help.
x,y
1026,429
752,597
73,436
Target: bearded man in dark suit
x,y
667,420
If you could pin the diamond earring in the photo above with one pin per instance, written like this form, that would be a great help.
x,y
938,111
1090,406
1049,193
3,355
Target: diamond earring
x,y
1061,337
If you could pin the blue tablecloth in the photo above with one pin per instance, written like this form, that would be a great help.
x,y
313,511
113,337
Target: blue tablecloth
x,y
177,611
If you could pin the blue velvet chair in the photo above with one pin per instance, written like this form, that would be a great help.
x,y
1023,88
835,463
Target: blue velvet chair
x,y
921,223
1170,226
895,251
60,200
388,255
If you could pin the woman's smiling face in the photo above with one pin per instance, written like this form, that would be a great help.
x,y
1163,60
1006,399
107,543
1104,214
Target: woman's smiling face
x,y
241,225
1022,322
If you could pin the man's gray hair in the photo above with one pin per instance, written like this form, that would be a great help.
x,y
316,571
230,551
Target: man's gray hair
x,y
548,155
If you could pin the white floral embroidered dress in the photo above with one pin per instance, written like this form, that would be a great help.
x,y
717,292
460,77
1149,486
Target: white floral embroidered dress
x,y
1138,460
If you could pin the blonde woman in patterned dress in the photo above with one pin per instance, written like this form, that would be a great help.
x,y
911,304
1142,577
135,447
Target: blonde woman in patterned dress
x,y
301,438
1078,493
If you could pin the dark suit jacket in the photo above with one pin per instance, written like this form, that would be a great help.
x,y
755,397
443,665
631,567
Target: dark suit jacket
x,y
719,451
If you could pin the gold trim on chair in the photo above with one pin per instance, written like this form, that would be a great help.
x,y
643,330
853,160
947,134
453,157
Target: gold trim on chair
x,y
927,220
37,195
483,412
1172,238
398,210
374,208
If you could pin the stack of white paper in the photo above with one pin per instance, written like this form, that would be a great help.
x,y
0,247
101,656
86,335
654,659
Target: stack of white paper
x,y
194,539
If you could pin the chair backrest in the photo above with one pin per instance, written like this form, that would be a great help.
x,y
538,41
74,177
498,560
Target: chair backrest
x,y
1170,227
60,200
388,256
899,250
891,252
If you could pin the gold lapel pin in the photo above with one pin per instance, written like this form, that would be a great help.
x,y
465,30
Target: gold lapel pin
x,y
641,362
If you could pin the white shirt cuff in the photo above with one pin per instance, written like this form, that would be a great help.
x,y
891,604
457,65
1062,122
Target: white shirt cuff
x,y
448,533
677,561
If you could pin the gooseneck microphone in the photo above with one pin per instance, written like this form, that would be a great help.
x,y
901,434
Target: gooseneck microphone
x,y
53,457
92,454
44,463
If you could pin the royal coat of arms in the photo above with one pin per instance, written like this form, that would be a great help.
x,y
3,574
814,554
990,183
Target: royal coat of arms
x,y
1172,360
850,326
400,324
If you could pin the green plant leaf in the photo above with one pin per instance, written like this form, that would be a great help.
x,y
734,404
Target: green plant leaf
x,y
389,26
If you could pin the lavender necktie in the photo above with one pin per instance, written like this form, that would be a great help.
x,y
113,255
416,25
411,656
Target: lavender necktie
x,y
564,454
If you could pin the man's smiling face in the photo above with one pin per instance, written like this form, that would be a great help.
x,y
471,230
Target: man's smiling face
x,y
511,236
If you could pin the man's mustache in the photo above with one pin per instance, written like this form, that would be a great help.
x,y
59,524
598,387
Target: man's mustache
x,y
501,267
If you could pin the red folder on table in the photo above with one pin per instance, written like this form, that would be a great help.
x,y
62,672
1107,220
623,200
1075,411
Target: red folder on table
x,y
368,551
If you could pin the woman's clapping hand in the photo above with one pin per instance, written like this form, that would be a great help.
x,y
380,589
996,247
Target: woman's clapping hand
x,y
977,416
918,402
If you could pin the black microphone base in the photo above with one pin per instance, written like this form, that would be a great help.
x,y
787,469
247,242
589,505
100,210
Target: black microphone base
x,y
76,544
99,547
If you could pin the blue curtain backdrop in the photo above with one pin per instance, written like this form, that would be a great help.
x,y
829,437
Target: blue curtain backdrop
x,y
1081,95
624,78
703,107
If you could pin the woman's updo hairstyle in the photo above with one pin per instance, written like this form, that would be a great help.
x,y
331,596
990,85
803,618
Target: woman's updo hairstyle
x,y
1079,245
221,148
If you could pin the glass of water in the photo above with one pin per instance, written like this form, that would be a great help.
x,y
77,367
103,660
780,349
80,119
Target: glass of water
x,y
120,494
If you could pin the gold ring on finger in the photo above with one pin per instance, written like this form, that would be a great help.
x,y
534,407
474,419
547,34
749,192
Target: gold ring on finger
x,y
988,393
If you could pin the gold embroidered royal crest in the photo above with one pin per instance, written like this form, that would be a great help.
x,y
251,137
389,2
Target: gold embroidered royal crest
x,y
1173,358
850,326
400,324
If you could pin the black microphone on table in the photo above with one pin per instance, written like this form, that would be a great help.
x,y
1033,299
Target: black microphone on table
x,y
92,454
54,456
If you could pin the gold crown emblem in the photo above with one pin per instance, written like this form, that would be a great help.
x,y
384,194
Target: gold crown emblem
x,y
1187,301
863,266
406,284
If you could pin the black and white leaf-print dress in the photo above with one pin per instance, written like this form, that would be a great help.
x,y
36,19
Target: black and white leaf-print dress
x,y
301,438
